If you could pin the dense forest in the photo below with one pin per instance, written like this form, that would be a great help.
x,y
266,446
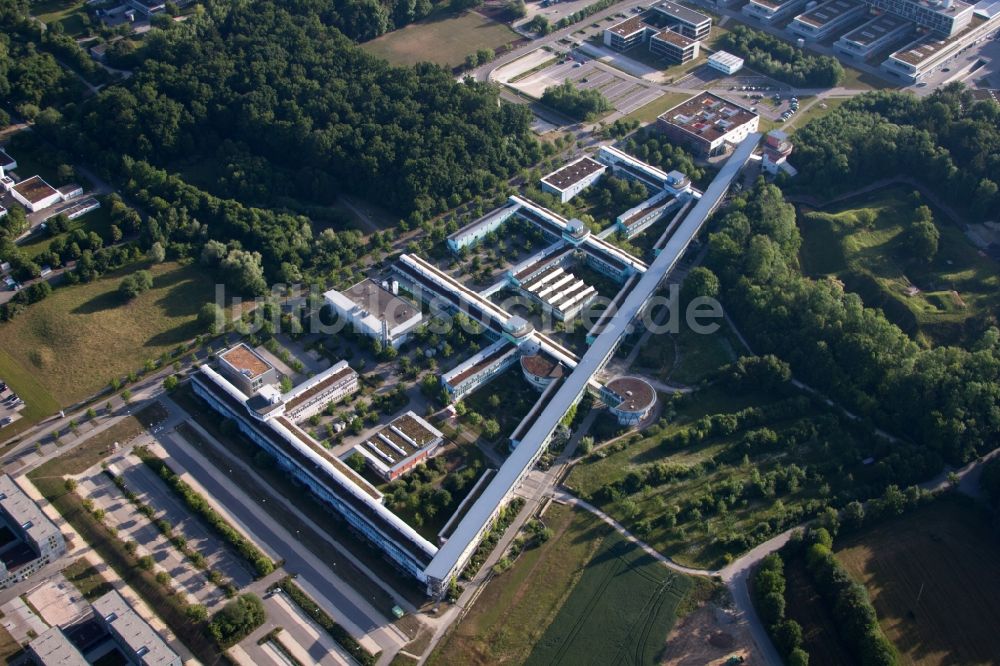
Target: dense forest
x,y
945,399
776,57
947,141
274,107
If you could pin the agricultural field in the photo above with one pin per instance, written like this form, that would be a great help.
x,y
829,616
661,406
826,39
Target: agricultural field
x,y
72,343
620,612
862,243
513,611
724,471
444,41
932,577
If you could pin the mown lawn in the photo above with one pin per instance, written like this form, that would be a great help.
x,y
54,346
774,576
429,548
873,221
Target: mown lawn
x,y
931,302
76,340
67,12
514,610
444,41
98,221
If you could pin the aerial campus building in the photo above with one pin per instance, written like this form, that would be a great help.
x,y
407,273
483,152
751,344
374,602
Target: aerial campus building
x,y
376,311
708,124
725,62
673,31
125,639
819,22
561,376
932,50
872,36
401,445
28,539
771,11
571,179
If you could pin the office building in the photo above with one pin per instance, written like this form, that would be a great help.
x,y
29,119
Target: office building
x,y
629,399
399,446
947,18
820,22
684,20
33,540
933,50
872,36
52,648
35,194
473,234
674,47
376,312
708,124
772,11
246,368
138,642
573,178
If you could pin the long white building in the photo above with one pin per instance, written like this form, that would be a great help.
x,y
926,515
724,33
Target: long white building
x,y
376,312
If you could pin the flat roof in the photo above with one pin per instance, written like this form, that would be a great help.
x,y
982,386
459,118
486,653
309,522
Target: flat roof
x,y
480,361
956,7
372,297
680,12
52,648
556,256
926,47
572,387
573,173
725,58
827,12
674,38
22,511
542,365
708,116
324,384
636,393
246,361
874,30
772,4
35,189
135,632
629,26
5,159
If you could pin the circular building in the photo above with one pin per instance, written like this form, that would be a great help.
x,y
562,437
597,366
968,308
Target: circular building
x,y
630,399
540,370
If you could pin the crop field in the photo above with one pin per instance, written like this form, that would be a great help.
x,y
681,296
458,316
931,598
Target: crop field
x,y
514,610
930,301
444,41
619,613
73,343
933,579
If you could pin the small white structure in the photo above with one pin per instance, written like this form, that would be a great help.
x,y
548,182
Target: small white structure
x,y
35,194
573,178
376,312
7,163
725,62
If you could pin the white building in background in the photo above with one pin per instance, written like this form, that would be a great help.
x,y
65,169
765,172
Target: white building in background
x,y
573,178
725,62
376,312
35,194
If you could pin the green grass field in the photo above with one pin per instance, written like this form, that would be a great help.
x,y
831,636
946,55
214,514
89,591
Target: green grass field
x,y
932,577
620,611
68,12
688,357
650,112
98,221
445,41
512,613
70,345
932,301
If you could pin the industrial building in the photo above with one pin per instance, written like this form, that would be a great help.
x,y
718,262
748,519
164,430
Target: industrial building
x,y
772,11
573,178
400,445
34,194
819,22
708,124
725,62
376,312
138,642
872,36
32,540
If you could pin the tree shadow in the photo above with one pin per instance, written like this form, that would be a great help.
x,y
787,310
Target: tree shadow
x,y
104,301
